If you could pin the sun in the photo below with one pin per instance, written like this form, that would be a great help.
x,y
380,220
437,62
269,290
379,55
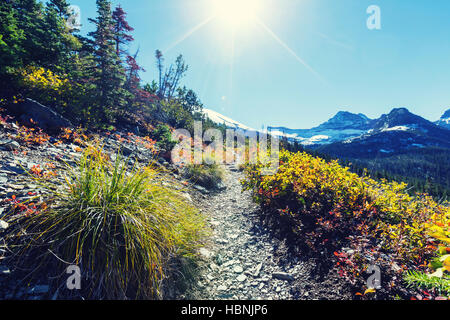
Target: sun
x,y
236,13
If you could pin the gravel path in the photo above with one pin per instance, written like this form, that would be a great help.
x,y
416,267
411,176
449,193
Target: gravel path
x,y
243,260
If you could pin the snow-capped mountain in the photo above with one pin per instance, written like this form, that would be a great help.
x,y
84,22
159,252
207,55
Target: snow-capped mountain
x,y
342,126
445,120
348,134
393,133
221,119
400,119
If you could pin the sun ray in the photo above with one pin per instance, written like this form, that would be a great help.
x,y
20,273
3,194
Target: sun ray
x,y
335,42
189,33
292,52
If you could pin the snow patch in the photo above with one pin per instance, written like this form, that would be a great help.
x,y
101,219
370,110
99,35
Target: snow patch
x,y
221,119
396,128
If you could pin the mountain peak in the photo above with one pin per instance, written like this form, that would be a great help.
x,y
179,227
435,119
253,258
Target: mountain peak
x,y
444,122
446,114
348,117
399,111
401,118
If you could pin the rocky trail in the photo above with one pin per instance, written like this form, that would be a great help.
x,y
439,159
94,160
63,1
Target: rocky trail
x,y
244,260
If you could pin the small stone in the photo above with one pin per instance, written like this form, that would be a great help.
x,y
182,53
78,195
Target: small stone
x,y
4,270
222,241
221,186
238,269
229,263
17,186
215,223
222,288
258,270
205,253
187,197
278,289
201,189
242,278
214,266
261,285
283,276
3,225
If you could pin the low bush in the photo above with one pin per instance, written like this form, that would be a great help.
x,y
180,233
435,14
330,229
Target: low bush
x,y
206,175
119,224
330,209
163,135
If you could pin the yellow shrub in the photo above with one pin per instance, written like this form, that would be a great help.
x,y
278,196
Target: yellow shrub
x,y
41,79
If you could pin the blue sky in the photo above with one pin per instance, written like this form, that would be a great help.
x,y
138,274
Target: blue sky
x,y
352,68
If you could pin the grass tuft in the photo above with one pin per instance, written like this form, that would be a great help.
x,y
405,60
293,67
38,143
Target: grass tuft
x,y
419,280
118,223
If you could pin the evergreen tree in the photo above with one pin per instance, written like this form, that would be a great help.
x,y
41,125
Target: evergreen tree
x,y
109,73
151,88
11,37
30,15
60,42
189,100
61,7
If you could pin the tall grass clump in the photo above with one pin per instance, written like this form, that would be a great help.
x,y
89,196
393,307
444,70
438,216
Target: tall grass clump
x,y
115,221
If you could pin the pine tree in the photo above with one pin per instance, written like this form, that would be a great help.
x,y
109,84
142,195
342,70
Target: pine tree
x,y
123,38
61,7
60,42
30,15
109,74
11,37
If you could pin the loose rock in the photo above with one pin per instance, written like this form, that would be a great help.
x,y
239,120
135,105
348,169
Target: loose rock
x,y
283,276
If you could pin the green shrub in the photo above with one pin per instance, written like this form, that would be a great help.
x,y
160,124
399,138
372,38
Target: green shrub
x,y
118,224
163,136
206,175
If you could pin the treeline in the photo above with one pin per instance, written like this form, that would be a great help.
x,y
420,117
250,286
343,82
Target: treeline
x,y
94,80
425,170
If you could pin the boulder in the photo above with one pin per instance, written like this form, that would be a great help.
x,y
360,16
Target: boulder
x,y
45,117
